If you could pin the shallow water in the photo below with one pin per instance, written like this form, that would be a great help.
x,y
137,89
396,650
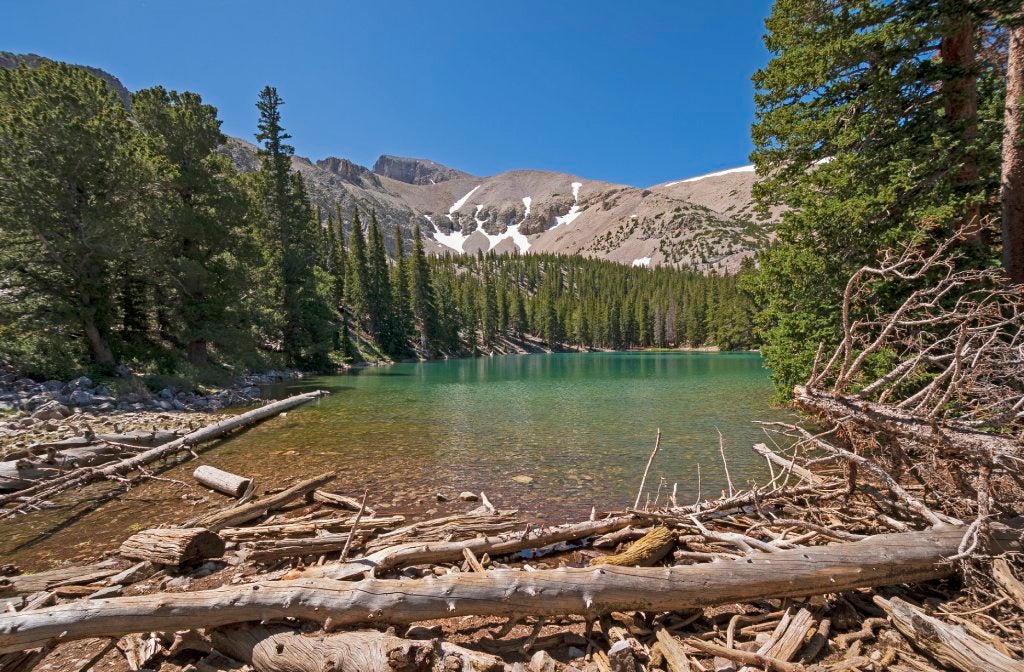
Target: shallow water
x,y
579,426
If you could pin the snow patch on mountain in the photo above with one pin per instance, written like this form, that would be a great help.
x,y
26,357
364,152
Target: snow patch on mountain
x,y
574,211
461,202
527,201
741,169
642,261
455,240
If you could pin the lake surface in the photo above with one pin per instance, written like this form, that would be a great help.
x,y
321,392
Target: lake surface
x,y
579,427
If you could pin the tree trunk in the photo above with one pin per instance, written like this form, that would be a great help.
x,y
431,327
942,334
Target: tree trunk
x,y
256,508
882,560
196,352
1013,160
99,348
960,92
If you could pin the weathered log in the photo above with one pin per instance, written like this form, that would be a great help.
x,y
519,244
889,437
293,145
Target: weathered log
x,y
881,560
87,475
221,481
451,528
644,552
243,513
286,530
948,644
448,551
283,650
65,576
172,545
340,501
279,549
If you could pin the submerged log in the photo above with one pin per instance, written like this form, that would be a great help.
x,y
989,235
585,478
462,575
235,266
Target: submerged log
x,y
173,546
221,481
243,513
881,560
281,649
86,475
25,472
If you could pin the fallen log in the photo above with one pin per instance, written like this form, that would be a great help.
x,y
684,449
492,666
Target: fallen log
x,y
87,475
787,465
881,560
340,501
448,551
644,552
281,649
26,584
308,527
221,481
173,546
243,513
948,644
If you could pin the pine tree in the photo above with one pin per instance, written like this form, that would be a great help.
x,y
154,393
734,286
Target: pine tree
x,y
490,311
74,188
872,118
401,300
356,272
424,308
380,318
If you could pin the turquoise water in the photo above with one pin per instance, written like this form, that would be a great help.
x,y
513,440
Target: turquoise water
x,y
576,429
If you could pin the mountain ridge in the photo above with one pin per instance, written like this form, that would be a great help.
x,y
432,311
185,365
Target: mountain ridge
x,y
706,223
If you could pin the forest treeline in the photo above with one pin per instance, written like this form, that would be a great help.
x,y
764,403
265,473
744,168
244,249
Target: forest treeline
x,y
129,239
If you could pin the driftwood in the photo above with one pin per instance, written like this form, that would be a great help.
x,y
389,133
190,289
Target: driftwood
x,y
948,644
173,546
86,475
450,528
644,552
447,551
279,531
877,561
259,507
277,549
65,576
220,481
25,472
340,501
283,650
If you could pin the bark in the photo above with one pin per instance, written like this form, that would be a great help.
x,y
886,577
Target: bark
x,y
223,482
960,92
644,552
283,531
87,475
23,473
1012,188
173,546
196,352
881,560
281,649
257,508
948,644
98,345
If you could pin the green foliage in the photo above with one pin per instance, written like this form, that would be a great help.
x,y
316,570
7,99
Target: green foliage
x,y
862,134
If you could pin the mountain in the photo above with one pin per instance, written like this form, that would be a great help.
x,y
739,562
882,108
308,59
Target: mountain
x,y
706,223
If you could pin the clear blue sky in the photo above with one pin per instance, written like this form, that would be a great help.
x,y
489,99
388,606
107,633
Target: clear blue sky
x,y
631,92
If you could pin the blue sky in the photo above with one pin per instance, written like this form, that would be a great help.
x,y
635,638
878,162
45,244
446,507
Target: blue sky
x,y
630,92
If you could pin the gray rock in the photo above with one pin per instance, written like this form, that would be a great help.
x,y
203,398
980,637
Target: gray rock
x,y
469,496
80,397
80,383
53,386
165,405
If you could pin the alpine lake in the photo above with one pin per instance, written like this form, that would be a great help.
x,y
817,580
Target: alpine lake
x,y
553,435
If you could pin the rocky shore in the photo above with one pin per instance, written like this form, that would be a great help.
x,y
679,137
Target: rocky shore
x,y
33,411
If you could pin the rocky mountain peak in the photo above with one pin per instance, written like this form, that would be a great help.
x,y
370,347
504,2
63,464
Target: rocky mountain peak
x,y
415,171
349,172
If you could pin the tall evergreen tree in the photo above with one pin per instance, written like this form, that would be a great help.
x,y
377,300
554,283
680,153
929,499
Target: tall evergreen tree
x,y
872,119
424,308
355,272
401,301
380,318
